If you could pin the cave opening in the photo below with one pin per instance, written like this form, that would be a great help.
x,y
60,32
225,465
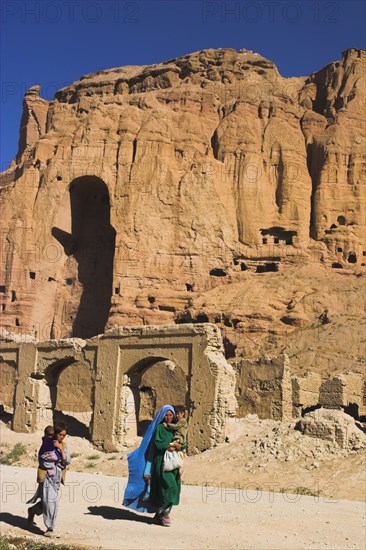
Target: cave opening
x,y
266,268
278,234
94,239
92,245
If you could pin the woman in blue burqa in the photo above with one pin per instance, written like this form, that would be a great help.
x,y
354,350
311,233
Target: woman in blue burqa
x,y
150,488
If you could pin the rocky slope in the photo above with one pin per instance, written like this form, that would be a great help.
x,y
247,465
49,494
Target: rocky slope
x,y
160,193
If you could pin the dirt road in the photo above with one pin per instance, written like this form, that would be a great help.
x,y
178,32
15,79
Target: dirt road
x,y
208,517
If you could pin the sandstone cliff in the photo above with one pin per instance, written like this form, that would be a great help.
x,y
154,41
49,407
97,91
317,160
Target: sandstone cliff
x,y
138,192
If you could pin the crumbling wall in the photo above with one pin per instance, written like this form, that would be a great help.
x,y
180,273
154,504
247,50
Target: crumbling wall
x,y
263,387
334,426
305,392
124,376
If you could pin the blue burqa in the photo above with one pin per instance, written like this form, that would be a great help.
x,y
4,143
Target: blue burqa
x,y
139,464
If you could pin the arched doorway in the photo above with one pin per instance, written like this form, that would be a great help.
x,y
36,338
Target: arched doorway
x,y
152,383
91,245
71,391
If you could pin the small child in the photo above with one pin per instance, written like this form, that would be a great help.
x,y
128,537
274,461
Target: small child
x,y
180,429
48,454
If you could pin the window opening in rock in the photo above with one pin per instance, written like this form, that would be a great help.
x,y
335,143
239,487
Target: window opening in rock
x,y
17,322
243,266
151,299
32,275
333,226
339,249
167,308
189,287
341,220
201,318
352,258
337,265
279,234
217,272
2,289
266,268
13,296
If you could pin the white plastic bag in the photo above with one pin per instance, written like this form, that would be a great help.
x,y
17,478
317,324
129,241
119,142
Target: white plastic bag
x,y
171,461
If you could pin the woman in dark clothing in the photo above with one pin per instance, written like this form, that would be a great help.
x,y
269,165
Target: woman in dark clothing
x,y
165,486
146,472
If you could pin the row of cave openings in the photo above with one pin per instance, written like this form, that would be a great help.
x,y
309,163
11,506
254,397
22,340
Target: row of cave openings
x,y
91,243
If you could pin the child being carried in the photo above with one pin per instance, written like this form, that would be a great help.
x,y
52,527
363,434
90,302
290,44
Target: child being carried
x,y
49,454
180,429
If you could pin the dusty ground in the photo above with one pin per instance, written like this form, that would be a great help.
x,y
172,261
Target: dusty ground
x,y
260,454
208,517
245,494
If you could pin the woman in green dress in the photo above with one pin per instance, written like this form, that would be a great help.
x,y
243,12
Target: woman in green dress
x,y
165,486
150,488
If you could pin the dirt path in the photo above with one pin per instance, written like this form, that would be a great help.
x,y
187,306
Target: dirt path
x,y
208,517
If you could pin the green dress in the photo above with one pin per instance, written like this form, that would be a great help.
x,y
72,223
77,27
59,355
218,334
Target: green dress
x,y
165,486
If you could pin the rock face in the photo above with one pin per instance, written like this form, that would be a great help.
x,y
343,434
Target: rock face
x,y
139,191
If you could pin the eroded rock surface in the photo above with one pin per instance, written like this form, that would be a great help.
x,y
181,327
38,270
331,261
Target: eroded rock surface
x,y
140,193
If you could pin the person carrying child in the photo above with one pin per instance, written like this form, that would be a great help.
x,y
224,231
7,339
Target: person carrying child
x,y
179,429
53,457
48,454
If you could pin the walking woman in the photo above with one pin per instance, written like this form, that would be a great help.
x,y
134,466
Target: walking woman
x,y
49,485
150,488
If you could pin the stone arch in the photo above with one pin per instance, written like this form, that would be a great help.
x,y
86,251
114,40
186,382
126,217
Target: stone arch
x,y
71,392
154,382
90,245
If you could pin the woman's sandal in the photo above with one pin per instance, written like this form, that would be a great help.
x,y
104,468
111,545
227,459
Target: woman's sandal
x,y
166,521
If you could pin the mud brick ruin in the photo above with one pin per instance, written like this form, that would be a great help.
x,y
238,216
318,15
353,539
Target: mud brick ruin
x,y
121,378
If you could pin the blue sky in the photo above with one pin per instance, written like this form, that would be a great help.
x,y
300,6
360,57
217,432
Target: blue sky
x,y
54,42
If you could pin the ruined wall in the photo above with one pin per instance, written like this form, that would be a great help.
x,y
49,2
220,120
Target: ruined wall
x,y
137,189
305,392
344,391
123,377
263,387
